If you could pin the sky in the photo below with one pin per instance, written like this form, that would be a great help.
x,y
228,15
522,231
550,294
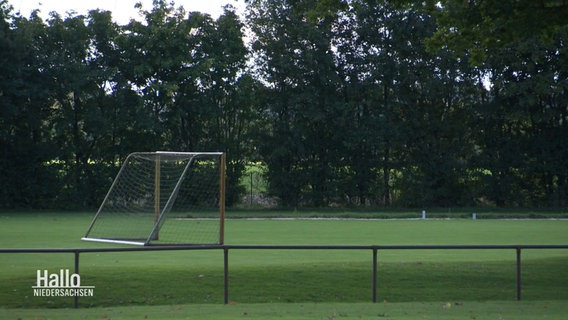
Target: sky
x,y
122,10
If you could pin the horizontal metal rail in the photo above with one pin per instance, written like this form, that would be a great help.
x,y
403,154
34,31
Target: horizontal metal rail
x,y
226,248
284,247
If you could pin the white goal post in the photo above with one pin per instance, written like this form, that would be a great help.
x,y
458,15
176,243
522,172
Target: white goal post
x,y
164,198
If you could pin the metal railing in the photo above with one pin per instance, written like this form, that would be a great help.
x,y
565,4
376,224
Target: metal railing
x,y
226,248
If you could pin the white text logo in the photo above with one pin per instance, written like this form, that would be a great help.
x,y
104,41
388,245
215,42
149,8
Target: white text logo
x,y
62,284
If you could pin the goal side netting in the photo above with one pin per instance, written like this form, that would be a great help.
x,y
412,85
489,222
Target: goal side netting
x,y
164,198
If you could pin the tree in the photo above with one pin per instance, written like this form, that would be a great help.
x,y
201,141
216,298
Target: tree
x,y
523,120
224,96
113,114
437,103
295,60
369,59
406,106
479,27
27,179
154,63
188,70
75,89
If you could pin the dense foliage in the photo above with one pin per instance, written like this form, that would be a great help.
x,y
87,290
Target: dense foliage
x,y
346,103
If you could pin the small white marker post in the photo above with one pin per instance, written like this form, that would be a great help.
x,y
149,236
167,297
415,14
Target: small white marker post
x,y
474,216
423,214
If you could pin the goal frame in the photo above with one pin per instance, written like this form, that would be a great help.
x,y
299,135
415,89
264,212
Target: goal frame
x,y
159,214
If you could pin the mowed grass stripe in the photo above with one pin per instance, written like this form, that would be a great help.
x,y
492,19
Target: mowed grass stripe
x,y
393,232
66,229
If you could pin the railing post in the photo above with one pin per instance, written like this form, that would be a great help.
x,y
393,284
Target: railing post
x,y
226,275
76,297
375,250
519,274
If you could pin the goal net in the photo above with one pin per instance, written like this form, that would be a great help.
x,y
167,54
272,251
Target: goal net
x,y
164,198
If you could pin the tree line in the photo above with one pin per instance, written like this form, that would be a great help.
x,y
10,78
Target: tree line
x,y
345,103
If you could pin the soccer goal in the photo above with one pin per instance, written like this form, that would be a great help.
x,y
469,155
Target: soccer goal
x,y
164,198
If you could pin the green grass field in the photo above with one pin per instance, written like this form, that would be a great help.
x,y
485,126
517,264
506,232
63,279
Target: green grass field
x,y
321,284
